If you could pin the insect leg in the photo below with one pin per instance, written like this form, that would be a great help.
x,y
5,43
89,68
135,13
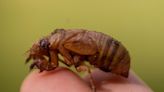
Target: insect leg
x,y
86,68
40,63
92,83
32,66
63,61
28,59
81,66
66,55
53,60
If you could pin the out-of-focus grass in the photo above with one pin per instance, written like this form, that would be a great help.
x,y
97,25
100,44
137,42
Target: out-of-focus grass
x,y
138,24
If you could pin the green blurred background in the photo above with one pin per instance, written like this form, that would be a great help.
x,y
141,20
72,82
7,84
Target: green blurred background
x,y
139,24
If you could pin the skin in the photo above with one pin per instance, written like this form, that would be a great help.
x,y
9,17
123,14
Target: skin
x,y
64,80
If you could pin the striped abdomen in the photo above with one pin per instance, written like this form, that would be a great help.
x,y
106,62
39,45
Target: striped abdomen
x,y
112,56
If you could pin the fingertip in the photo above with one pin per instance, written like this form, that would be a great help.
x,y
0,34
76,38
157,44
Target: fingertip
x,y
58,80
110,82
100,76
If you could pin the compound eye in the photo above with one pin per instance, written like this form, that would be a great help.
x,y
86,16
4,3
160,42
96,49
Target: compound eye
x,y
44,43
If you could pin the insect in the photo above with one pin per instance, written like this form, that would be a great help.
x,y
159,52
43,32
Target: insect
x,y
78,46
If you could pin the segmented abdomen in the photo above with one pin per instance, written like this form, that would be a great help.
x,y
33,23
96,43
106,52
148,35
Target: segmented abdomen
x,y
112,57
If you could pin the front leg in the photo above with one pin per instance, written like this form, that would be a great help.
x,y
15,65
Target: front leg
x,y
41,63
53,60
68,60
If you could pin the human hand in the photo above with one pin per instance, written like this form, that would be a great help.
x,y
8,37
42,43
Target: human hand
x,y
64,80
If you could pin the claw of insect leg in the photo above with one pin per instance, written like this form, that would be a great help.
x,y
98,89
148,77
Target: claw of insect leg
x,y
32,66
41,70
27,59
50,67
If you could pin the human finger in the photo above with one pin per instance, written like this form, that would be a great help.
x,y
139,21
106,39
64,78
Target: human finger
x,y
58,80
108,82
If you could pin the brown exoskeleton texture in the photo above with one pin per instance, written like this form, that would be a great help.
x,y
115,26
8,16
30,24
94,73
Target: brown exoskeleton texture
x,y
77,46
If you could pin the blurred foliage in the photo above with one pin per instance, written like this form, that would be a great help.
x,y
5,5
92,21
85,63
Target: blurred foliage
x,y
139,24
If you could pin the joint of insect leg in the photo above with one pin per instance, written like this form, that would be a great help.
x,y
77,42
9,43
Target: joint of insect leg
x,y
82,68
